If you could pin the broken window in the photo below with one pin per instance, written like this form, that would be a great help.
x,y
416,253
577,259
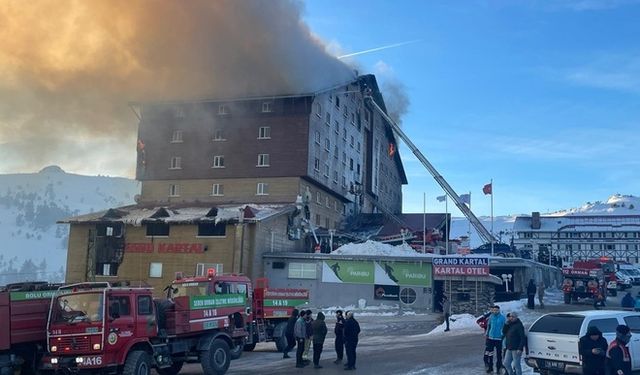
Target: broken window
x,y
157,229
211,229
218,161
267,107
177,136
176,163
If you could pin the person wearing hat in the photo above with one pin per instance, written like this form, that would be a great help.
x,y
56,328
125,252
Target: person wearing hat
x,y
618,357
592,348
514,340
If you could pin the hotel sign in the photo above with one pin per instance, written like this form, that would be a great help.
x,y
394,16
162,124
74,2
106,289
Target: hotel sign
x,y
164,248
461,266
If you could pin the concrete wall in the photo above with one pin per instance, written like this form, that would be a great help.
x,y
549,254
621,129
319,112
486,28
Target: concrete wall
x,y
324,294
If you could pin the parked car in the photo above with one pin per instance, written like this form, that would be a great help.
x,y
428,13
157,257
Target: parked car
x,y
553,338
624,281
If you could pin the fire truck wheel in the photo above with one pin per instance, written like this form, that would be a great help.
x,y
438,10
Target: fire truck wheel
x,y
137,363
237,350
171,370
249,347
216,360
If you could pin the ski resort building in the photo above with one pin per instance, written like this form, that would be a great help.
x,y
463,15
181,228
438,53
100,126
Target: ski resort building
x,y
580,236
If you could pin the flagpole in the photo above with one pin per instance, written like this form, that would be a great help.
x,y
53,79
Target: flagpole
x,y
492,236
424,222
446,223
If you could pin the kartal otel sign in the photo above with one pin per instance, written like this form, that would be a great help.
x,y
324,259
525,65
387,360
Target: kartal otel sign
x,y
461,266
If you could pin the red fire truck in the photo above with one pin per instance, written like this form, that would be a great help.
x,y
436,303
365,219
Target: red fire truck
x,y
608,269
271,310
581,283
23,320
102,328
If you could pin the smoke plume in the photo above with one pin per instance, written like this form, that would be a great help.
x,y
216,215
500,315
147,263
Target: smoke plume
x,y
68,69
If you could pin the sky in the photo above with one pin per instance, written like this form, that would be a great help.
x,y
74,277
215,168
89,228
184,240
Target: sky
x,y
543,97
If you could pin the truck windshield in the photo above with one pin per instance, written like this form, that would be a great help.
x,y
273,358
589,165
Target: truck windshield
x,y
74,308
189,289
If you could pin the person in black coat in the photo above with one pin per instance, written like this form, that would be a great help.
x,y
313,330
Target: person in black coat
x,y
288,333
319,334
515,341
618,357
338,330
593,348
351,332
531,294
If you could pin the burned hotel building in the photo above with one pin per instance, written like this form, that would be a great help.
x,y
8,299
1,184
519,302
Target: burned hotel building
x,y
225,181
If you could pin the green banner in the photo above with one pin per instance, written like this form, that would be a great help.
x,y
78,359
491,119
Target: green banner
x,y
284,302
413,274
217,300
37,294
336,271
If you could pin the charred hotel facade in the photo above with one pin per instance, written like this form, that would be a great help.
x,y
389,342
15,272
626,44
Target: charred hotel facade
x,y
226,181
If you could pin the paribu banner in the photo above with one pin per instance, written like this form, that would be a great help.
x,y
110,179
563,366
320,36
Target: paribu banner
x,y
381,273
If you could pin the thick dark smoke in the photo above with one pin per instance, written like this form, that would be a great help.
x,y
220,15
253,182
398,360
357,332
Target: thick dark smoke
x,y
395,98
68,69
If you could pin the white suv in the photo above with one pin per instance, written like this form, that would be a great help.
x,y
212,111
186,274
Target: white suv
x,y
553,338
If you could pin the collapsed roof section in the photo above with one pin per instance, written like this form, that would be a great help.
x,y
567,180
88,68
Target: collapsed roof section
x,y
139,214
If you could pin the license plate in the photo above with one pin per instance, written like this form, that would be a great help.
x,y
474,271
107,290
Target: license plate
x,y
554,365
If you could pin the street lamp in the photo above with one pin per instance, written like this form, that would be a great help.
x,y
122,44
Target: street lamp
x,y
506,278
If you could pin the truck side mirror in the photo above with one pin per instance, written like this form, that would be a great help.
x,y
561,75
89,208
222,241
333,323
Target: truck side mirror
x,y
248,310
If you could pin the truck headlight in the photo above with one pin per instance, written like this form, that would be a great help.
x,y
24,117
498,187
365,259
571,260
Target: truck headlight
x,y
54,348
79,360
54,361
96,346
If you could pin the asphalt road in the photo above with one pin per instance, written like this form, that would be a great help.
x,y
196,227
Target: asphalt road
x,y
395,345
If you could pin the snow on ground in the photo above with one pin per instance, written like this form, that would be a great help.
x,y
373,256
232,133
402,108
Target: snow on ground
x,y
466,323
378,310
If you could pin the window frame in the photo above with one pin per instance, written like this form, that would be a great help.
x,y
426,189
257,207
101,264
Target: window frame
x,y
264,132
302,270
174,190
175,163
267,107
176,137
263,161
223,109
151,270
217,190
262,188
218,161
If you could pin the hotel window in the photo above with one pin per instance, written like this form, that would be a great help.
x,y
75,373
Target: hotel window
x,y
327,118
337,102
211,229
345,113
351,164
353,118
330,98
358,146
352,141
217,190
223,109
174,191
344,134
335,207
176,162
326,222
218,161
317,137
177,136
264,132
318,218
344,182
267,107
263,160
327,202
318,197
318,109
302,271
155,269
326,170
218,136
158,230
202,268
178,112
262,188
327,144
335,152
335,177
316,165
344,159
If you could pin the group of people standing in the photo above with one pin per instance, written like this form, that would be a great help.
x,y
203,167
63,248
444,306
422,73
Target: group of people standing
x,y
600,358
504,336
302,330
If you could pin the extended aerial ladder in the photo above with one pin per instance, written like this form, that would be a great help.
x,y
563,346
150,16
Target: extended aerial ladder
x,y
482,231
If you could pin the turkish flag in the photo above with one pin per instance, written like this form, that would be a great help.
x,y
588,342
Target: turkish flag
x,y
487,189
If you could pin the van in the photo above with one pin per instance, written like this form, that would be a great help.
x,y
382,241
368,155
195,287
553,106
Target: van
x,y
553,338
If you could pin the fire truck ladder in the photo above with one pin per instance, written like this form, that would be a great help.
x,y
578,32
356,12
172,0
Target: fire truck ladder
x,y
262,333
482,231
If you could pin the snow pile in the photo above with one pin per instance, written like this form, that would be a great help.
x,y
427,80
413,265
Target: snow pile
x,y
617,204
377,248
379,310
458,323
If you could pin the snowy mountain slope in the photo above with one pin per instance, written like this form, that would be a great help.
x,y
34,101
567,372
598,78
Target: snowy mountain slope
x,y
617,204
30,204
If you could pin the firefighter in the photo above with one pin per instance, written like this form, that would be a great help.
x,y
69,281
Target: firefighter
x,y
618,356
